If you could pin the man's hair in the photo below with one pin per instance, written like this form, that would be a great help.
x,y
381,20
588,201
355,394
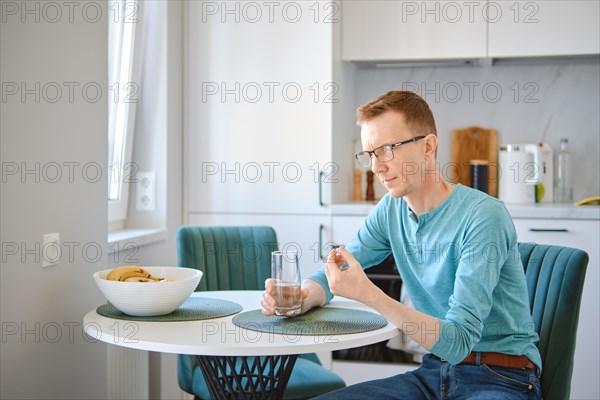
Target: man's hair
x,y
416,111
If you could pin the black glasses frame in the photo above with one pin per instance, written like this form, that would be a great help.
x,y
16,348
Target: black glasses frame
x,y
374,152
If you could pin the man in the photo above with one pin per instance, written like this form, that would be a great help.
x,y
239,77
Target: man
x,y
456,251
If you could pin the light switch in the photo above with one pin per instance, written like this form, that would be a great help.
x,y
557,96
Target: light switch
x,y
51,251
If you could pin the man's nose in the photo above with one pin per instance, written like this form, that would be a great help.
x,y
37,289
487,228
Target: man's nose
x,y
376,165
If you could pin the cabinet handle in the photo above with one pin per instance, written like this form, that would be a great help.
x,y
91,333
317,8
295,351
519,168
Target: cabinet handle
x,y
548,230
321,173
321,228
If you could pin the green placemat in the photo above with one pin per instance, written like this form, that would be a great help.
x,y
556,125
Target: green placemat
x,y
193,309
320,321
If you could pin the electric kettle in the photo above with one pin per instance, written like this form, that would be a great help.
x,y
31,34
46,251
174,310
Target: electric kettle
x,y
518,174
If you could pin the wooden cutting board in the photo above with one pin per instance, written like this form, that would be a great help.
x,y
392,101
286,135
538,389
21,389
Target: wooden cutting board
x,y
474,143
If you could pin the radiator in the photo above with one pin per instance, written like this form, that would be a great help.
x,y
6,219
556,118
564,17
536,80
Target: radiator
x,y
127,375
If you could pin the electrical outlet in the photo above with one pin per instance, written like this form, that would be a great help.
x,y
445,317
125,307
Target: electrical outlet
x,y
51,250
146,191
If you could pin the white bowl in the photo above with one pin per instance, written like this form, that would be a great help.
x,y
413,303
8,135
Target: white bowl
x,y
150,298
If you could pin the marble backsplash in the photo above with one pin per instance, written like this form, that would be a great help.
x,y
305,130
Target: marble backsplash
x,y
528,102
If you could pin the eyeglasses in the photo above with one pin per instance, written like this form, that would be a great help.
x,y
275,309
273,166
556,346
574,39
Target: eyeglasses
x,y
384,153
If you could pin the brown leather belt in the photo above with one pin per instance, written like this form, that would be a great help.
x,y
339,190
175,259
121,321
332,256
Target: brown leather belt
x,y
499,360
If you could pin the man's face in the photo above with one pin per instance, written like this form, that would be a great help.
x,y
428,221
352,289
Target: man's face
x,y
401,175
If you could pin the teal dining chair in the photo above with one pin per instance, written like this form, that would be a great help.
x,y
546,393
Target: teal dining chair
x,y
555,277
239,258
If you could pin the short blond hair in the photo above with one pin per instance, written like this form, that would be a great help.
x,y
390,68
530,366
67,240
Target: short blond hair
x,y
415,109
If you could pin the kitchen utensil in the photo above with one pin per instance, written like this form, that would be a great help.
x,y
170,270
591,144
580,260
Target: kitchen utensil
x,y
519,173
473,143
479,175
150,298
285,271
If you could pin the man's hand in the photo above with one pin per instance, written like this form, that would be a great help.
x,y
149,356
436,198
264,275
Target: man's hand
x,y
311,292
351,282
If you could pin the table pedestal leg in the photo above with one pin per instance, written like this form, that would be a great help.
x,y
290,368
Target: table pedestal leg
x,y
241,377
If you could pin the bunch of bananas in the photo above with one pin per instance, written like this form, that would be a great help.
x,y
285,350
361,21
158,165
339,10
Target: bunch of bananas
x,y
131,273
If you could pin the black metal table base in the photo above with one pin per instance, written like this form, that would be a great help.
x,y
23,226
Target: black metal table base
x,y
242,377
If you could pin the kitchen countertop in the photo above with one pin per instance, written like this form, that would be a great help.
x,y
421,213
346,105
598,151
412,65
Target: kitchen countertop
x,y
537,211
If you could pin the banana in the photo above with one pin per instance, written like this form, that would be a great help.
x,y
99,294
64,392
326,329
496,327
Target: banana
x,y
139,279
116,273
125,272
133,274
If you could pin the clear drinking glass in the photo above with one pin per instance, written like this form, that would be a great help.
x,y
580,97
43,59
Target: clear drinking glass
x,y
285,271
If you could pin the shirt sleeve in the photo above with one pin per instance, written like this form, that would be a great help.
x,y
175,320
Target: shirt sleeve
x,y
370,246
489,239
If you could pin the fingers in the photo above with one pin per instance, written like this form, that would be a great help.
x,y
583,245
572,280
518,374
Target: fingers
x,y
304,292
333,255
345,253
268,302
347,256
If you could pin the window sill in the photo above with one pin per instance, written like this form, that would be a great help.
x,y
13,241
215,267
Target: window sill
x,y
127,238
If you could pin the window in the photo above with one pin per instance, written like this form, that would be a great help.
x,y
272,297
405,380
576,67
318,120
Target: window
x,y
122,105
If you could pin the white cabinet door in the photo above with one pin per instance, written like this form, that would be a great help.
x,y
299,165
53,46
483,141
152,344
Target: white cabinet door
x,y
259,95
410,30
310,235
544,28
585,235
344,228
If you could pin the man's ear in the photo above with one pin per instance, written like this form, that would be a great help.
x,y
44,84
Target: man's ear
x,y
431,144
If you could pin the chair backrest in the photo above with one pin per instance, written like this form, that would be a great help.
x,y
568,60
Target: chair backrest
x,y
555,278
231,258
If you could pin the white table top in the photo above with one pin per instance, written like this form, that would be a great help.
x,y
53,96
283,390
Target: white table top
x,y
220,337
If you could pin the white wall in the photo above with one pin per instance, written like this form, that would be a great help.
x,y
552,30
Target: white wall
x,y
43,352
41,133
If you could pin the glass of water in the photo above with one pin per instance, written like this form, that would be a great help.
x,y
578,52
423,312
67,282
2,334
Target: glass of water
x,y
285,271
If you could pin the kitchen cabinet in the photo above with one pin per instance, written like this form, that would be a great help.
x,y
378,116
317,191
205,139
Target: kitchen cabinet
x,y
258,107
404,30
407,31
344,227
581,234
259,95
544,28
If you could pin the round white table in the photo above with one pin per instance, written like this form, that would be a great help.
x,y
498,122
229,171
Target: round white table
x,y
218,343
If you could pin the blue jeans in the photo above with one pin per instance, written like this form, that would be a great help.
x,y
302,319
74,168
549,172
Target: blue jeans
x,y
437,379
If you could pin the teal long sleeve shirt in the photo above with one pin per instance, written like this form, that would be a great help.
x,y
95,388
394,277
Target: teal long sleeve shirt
x,y
460,264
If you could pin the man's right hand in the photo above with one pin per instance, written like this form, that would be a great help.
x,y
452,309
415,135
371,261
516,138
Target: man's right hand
x,y
312,294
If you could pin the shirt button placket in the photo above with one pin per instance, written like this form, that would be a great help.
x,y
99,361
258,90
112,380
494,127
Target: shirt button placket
x,y
419,242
